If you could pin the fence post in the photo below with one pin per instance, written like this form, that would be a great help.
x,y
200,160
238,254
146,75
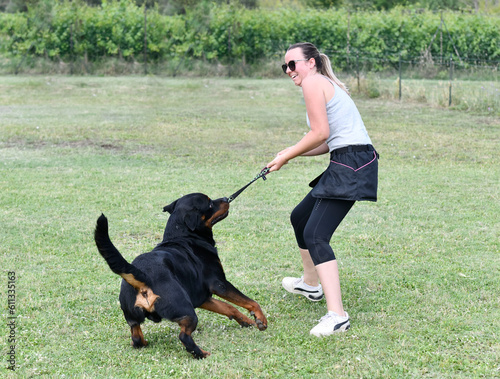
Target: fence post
x,y
399,76
348,35
441,40
71,49
145,39
230,59
357,71
451,78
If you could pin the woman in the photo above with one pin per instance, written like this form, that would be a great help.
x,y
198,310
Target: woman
x,y
335,127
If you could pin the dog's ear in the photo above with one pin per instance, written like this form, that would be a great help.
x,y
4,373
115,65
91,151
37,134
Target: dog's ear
x,y
191,221
170,208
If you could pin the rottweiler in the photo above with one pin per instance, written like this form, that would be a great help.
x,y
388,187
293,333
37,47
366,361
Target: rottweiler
x,y
179,274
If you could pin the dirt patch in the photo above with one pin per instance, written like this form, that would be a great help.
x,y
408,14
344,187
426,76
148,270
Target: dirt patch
x,y
29,144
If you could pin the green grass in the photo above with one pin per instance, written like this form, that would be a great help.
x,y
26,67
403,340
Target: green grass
x,y
419,268
481,97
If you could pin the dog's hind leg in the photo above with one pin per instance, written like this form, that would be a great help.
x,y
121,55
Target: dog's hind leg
x,y
228,310
188,325
137,336
230,293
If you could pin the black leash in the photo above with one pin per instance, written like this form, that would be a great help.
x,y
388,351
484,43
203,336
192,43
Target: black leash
x,y
262,175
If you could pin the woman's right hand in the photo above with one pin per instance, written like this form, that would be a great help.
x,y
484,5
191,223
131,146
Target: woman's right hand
x,y
279,161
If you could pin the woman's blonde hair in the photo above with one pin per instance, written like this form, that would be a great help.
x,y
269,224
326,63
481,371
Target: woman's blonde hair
x,y
323,64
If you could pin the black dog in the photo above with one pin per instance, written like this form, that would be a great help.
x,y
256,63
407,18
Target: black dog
x,y
180,274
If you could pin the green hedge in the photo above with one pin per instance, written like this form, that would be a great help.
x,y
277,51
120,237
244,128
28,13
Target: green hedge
x,y
227,34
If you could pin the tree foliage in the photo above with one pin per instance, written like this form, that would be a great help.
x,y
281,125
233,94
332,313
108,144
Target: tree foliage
x,y
227,33
172,7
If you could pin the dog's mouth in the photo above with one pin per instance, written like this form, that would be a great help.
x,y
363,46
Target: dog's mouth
x,y
220,217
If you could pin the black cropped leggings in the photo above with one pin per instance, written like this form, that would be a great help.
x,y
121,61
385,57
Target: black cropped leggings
x,y
314,222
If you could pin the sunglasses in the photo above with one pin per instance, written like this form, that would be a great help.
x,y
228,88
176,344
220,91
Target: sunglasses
x,y
291,65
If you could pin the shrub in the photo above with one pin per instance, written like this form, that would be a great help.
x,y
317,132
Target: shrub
x,y
227,34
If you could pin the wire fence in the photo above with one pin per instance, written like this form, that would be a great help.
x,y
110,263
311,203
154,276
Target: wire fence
x,y
448,73
444,81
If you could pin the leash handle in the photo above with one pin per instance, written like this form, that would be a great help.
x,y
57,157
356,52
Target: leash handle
x,y
262,174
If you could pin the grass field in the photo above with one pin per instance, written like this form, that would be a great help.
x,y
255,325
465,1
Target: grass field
x,y
480,97
419,268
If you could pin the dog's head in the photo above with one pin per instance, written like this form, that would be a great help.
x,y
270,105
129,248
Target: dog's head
x,y
196,212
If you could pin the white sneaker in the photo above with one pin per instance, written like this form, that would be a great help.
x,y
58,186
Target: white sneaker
x,y
331,323
297,285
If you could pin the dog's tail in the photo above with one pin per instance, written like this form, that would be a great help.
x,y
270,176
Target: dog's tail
x,y
131,274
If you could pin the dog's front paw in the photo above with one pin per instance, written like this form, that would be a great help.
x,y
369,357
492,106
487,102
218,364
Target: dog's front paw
x,y
260,320
260,324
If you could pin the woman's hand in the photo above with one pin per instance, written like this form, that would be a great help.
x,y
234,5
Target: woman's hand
x,y
283,151
277,162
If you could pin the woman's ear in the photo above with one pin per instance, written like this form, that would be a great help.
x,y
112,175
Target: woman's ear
x,y
312,63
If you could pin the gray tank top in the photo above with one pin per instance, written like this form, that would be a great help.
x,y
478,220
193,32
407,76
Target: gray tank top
x,y
346,125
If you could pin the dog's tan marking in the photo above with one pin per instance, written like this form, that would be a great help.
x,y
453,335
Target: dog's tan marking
x,y
223,209
137,336
130,279
146,298
228,310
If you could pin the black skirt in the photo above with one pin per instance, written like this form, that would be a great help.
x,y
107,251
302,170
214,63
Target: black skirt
x,y
351,175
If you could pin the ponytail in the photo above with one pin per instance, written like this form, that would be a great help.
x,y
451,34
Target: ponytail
x,y
325,68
